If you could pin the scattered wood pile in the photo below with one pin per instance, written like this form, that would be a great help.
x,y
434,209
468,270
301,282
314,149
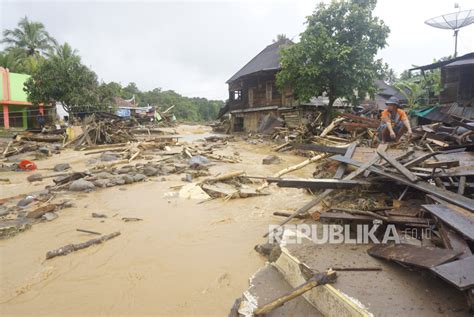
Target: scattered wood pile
x,y
103,130
426,195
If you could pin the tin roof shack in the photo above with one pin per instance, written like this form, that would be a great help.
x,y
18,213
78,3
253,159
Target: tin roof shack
x,y
252,91
456,98
457,79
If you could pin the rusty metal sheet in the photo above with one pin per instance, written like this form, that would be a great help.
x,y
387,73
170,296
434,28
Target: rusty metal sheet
x,y
460,273
425,257
461,222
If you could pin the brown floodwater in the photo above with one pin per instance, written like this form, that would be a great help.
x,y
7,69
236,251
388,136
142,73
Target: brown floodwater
x,y
184,258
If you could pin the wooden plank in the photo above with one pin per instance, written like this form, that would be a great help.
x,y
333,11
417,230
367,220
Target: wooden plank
x,y
320,148
425,257
463,223
423,186
461,171
402,169
418,160
453,240
459,273
439,164
399,220
339,172
462,185
320,183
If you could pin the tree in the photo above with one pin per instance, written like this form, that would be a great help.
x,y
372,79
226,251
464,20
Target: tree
x,y
29,36
335,55
63,78
412,91
281,38
387,74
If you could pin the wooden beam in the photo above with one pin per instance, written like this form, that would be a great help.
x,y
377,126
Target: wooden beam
x,y
461,222
402,169
423,186
320,183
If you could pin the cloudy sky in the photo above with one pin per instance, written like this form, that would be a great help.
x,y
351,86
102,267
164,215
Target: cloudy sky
x,y
193,47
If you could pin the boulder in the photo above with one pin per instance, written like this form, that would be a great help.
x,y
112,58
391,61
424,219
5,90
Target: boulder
x,y
139,177
61,167
271,159
81,185
101,182
128,179
25,201
150,171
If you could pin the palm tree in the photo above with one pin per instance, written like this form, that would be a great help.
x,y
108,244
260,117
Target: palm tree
x,y
29,36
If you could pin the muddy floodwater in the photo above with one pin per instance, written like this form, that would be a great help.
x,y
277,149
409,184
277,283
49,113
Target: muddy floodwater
x,y
185,257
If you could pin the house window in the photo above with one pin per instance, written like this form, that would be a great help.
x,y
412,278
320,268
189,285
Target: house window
x,y
269,91
237,95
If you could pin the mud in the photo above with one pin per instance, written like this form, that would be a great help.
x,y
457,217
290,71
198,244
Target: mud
x,y
184,258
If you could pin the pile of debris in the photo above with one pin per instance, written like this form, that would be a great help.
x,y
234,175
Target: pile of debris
x,y
458,132
103,128
385,189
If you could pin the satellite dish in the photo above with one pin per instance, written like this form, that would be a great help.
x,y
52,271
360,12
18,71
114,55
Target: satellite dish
x,y
453,21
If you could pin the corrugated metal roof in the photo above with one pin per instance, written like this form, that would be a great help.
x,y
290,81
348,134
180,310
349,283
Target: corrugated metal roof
x,y
268,59
443,113
443,63
469,61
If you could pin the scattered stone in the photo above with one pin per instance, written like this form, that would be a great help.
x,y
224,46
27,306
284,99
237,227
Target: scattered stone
x,y
128,219
44,150
81,185
102,182
10,228
61,167
36,177
96,215
49,216
118,181
150,171
271,159
25,201
104,175
127,179
4,211
109,156
139,177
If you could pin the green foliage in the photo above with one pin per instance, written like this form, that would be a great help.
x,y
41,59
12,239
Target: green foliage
x,y
62,77
387,74
412,91
336,53
26,46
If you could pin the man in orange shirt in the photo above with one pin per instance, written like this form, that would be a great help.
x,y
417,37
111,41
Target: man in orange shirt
x,y
394,122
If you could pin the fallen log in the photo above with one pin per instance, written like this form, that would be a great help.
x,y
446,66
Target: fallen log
x,y
75,247
300,165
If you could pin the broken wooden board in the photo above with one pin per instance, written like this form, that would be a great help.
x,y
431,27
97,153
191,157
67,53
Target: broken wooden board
x,y
423,186
406,221
461,222
320,183
459,273
453,240
425,257
402,169
441,164
319,148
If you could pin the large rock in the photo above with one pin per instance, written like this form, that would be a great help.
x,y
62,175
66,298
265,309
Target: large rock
x,y
81,185
128,179
104,175
25,201
101,182
139,177
271,159
150,171
61,167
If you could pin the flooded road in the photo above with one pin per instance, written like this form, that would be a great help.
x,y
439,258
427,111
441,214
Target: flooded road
x,y
185,258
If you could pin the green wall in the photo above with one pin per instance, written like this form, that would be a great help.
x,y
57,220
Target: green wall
x,y
17,82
